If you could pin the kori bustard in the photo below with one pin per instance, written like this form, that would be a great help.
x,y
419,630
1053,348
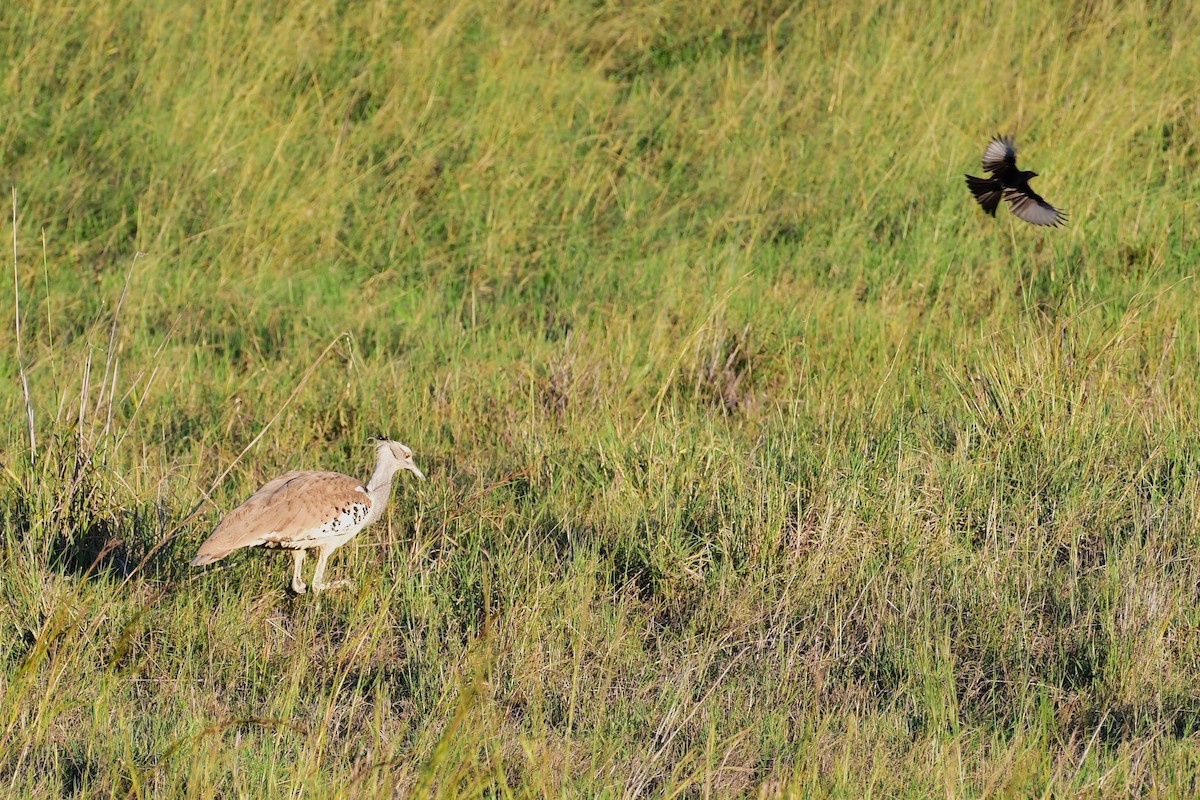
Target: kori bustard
x,y
300,511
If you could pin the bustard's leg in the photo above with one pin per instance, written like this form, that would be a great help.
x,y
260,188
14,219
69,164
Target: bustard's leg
x,y
297,582
319,584
319,575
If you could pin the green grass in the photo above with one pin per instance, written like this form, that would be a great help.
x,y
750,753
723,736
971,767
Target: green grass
x,y
761,462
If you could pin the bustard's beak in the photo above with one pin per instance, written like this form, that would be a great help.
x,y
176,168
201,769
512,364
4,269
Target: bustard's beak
x,y
413,469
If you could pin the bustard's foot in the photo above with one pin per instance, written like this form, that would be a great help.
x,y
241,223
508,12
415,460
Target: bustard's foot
x,y
340,584
299,587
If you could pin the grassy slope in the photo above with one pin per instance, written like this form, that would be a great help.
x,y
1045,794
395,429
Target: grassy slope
x,y
760,460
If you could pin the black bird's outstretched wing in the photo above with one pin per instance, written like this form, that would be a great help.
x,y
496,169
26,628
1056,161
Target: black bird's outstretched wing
x,y
1000,155
1029,206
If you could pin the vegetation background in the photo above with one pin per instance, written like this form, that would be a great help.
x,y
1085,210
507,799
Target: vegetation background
x,y
762,463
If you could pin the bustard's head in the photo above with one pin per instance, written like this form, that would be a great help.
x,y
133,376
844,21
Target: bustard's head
x,y
395,457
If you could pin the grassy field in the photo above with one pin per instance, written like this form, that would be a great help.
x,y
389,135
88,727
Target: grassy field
x,y
761,462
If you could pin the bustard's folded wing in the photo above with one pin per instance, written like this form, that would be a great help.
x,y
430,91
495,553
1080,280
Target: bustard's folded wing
x,y
294,507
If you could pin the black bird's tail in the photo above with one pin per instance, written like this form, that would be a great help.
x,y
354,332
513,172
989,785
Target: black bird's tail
x,y
987,191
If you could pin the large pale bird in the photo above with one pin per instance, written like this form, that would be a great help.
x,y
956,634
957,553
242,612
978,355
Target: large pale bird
x,y
300,511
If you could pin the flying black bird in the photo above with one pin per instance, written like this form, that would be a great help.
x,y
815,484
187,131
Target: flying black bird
x,y
1000,159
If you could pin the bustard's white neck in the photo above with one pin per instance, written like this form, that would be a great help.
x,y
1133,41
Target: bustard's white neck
x,y
391,457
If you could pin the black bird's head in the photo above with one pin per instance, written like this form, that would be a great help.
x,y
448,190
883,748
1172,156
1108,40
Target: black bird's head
x,y
1028,173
